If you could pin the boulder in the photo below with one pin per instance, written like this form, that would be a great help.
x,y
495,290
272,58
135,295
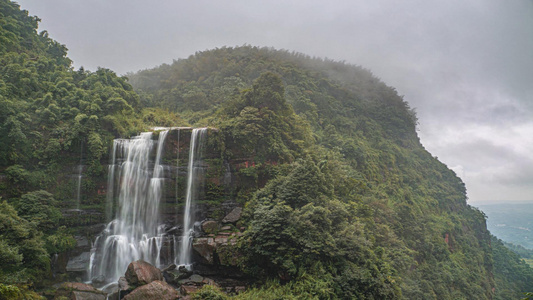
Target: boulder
x,y
169,268
205,247
188,289
77,295
233,216
155,290
196,279
78,286
112,291
78,291
123,287
209,226
225,228
209,281
174,275
98,279
79,263
141,273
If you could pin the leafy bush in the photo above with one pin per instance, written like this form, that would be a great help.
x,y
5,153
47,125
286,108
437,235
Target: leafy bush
x,y
209,292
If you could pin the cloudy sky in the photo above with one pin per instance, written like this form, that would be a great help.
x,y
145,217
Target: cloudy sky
x,y
465,65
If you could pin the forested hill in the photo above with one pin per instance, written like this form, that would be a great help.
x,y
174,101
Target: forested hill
x,y
383,217
342,202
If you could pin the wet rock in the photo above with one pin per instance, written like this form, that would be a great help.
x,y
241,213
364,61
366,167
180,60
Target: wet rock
x,y
76,295
225,228
112,291
173,276
156,290
78,286
209,226
176,230
205,247
82,242
140,273
79,291
233,216
169,268
98,279
196,278
188,289
79,263
95,229
184,272
209,281
123,287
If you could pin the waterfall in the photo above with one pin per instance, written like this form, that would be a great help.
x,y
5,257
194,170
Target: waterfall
x,y
110,196
195,172
177,166
136,232
79,176
175,245
135,189
78,190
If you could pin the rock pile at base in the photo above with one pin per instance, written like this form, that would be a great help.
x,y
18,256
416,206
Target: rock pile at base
x,y
141,273
78,291
157,289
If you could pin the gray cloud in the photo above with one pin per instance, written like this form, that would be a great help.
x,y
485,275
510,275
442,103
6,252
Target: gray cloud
x,y
465,65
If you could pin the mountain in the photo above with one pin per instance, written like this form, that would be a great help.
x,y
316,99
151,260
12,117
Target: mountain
x,y
339,197
351,141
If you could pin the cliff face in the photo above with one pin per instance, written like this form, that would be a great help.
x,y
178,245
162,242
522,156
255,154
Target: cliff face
x,y
214,204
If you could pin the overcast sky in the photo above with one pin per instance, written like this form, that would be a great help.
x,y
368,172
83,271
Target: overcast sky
x,y
465,65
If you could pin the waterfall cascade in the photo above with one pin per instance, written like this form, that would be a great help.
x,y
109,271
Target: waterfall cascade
x,y
79,176
194,176
110,196
135,189
78,186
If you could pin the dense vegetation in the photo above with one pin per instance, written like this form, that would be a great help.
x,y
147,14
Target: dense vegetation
x,y
51,117
510,271
342,202
359,209
520,250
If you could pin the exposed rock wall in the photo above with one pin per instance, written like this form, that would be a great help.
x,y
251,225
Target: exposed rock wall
x,y
217,203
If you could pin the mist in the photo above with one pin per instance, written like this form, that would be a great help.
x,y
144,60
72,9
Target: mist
x,y
465,66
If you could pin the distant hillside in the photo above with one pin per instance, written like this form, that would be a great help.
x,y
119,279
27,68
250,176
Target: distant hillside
x,y
511,222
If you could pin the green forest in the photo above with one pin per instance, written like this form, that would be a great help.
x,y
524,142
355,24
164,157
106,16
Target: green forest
x,y
354,208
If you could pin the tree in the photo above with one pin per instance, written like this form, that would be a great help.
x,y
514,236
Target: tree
x,y
22,247
39,207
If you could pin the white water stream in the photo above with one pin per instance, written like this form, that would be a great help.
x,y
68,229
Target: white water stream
x,y
195,172
137,231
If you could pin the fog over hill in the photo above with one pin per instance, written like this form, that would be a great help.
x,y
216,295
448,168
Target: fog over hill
x,y
466,66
